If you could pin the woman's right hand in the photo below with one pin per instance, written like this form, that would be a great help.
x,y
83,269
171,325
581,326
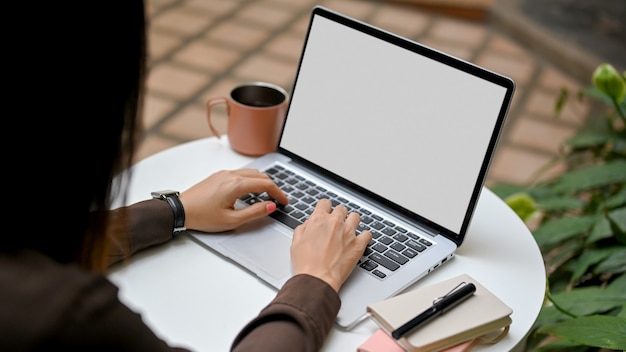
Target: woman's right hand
x,y
326,246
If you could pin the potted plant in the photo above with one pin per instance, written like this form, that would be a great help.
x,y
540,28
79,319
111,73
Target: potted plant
x,y
579,222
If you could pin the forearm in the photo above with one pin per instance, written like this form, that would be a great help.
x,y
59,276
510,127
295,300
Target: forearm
x,y
138,226
298,319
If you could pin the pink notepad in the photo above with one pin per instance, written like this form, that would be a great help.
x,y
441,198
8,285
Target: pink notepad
x,y
381,342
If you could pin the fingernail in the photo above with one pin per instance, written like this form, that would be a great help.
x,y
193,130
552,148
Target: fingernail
x,y
270,207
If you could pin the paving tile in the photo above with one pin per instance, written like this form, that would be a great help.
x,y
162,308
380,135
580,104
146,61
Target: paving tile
x,y
517,166
237,34
503,44
204,55
161,43
354,8
216,7
467,33
299,5
191,123
541,103
540,134
556,80
286,46
401,20
518,69
180,21
266,14
175,81
155,109
461,52
220,87
154,6
300,26
264,68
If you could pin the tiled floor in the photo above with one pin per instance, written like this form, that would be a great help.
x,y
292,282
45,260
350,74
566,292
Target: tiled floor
x,y
202,48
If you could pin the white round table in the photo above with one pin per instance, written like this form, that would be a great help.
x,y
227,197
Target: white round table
x,y
194,298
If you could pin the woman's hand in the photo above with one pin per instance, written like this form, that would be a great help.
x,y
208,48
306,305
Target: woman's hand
x,y
209,204
326,246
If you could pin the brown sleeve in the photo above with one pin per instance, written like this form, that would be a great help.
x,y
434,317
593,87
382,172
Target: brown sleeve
x,y
139,226
51,307
298,319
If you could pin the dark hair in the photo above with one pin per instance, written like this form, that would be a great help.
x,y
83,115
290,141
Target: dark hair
x,y
84,72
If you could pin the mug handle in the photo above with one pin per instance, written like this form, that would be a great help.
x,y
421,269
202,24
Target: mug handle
x,y
209,105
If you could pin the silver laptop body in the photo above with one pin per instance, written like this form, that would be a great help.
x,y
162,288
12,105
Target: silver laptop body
x,y
393,127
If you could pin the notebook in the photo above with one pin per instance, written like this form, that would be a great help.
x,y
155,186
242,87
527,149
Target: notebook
x,y
396,130
483,316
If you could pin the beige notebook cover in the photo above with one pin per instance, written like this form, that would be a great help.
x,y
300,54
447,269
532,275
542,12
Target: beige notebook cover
x,y
480,314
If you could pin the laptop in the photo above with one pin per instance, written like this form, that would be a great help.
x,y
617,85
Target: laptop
x,y
397,131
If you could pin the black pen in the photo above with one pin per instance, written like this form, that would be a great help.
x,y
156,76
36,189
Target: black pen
x,y
439,307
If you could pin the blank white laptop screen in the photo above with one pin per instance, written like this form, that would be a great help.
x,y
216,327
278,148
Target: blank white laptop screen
x,y
351,119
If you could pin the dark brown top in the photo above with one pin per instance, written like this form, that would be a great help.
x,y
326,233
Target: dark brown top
x,y
46,305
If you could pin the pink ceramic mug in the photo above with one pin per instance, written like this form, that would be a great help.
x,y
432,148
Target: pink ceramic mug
x,y
256,113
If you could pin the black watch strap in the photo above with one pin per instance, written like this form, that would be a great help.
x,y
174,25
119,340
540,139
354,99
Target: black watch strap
x,y
171,197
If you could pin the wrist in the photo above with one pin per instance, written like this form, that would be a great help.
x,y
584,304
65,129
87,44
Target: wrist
x,y
178,211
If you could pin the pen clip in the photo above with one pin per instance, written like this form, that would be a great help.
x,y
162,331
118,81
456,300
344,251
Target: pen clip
x,y
457,287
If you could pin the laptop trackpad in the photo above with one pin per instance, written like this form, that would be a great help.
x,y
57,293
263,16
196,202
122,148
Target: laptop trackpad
x,y
271,258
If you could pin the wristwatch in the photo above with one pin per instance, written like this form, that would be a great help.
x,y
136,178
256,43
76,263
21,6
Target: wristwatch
x,y
171,197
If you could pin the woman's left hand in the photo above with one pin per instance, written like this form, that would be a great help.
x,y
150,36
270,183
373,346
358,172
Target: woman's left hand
x,y
209,204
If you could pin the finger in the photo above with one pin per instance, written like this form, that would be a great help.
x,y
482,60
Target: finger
x,y
277,194
323,206
271,188
260,185
254,211
254,173
363,239
341,211
353,219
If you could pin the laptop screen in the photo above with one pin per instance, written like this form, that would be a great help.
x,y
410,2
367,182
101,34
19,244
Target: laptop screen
x,y
403,121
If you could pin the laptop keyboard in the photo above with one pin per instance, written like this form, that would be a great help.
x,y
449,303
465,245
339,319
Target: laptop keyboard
x,y
391,246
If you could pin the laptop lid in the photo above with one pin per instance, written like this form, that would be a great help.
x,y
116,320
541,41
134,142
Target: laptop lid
x,y
404,113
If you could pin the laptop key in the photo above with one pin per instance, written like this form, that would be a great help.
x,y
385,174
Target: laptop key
x,y
369,265
397,257
387,263
285,219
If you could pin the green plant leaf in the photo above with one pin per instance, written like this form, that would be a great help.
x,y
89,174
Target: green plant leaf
x,y
560,346
600,231
549,315
560,101
592,177
559,230
617,221
605,229
505,190
560,203
615,201
589,300
588,258
598,331
614,263
597,94
589,139
618,284
567,250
